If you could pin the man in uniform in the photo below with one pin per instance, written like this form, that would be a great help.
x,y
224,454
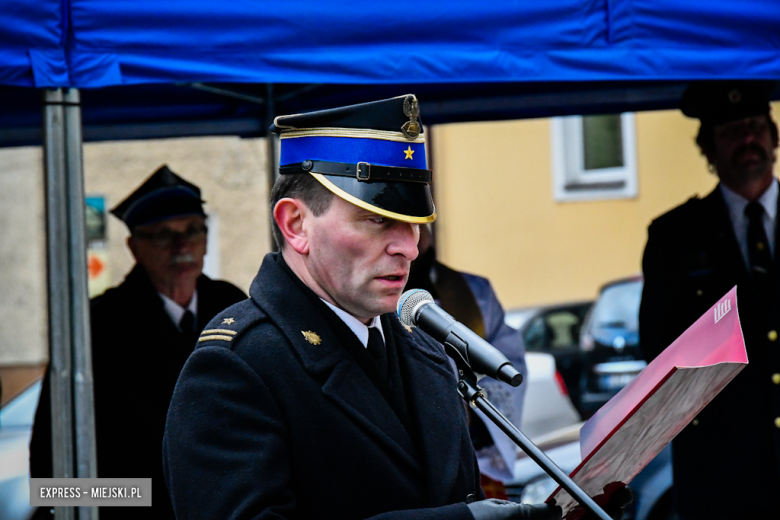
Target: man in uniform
x,y
311,400
142,333
727,461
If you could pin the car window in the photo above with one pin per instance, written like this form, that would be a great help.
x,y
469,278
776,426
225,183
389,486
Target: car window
x,y
564,327
555,330
535,335
618,308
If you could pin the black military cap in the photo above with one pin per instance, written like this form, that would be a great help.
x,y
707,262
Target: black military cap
x,y
371,155
720,102
163,195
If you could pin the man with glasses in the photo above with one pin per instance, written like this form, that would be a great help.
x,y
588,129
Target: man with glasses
x,y
142,333
727,461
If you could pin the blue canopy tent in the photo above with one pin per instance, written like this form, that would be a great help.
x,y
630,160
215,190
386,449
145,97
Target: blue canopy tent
x,y
94,43
142,65
136,69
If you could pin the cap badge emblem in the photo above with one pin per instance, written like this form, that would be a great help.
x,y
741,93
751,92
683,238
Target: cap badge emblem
x,y
228,321
735,96
409,153
311,337
411,128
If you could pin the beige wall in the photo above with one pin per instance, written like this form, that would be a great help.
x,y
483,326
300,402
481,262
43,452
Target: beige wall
x,y
23,327
497,216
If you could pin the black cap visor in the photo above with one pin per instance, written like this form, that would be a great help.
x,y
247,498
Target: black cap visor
x,y
405,201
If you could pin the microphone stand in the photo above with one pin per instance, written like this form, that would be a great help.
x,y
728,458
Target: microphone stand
x,y
476,398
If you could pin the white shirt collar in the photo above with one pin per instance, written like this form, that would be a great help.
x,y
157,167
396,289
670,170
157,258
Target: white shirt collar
x,y
355,325
737,203
769,199
176,311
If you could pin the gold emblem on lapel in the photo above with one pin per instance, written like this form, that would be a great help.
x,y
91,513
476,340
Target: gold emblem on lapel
x,y
408,329
312,337
228,321
411,128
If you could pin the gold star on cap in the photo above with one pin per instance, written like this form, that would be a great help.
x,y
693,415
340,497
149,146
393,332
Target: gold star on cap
x,y
312,337
228,321
408,153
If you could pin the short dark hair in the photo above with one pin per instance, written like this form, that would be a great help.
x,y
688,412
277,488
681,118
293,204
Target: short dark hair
x,y
706,137
303,187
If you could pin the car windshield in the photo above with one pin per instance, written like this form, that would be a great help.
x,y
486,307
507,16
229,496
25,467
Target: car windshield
x,y
618,308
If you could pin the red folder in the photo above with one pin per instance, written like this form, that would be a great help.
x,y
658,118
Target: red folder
x,y
636,424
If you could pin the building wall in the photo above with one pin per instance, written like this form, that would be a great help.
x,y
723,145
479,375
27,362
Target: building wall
x,y
498,218
23,303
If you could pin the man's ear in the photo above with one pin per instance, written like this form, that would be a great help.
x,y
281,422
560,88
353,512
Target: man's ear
x,y
290,215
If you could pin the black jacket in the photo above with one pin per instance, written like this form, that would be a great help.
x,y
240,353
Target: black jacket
x,y
279,416
727,461
137,354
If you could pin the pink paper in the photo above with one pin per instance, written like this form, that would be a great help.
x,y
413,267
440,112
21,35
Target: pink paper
x,y
636,424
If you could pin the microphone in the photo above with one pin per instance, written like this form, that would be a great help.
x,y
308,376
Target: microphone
x,y
416,308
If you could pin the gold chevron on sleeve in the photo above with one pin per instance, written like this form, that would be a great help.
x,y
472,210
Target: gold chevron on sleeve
x,y
215,336
219,331
220,334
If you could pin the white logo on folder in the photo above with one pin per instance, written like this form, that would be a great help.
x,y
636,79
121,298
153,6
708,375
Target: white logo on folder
x,y
722,309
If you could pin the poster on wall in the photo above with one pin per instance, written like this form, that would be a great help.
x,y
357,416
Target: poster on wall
x,y
96,218
97,248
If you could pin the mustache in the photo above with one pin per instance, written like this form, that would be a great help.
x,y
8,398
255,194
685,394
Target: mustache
x,y
184,258
751,147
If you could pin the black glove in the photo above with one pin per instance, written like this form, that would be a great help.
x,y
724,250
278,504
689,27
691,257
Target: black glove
x,y
495,509
617,503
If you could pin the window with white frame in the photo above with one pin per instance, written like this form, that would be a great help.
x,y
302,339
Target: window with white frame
x,y
594,157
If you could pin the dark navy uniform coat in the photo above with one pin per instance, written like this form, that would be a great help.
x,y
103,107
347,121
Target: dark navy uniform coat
x,y
269,422
727,461
137,354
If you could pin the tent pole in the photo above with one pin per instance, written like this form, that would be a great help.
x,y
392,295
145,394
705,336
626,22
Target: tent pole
x,y
60,346
270,139
83,402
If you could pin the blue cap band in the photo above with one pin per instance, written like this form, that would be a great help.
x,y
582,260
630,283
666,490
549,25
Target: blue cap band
x,y
353,150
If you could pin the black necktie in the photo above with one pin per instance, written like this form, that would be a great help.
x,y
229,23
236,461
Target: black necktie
x,y
187,326
376,347
759,255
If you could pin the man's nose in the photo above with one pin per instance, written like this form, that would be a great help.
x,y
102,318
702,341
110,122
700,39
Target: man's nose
x,y
179,242
405,238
